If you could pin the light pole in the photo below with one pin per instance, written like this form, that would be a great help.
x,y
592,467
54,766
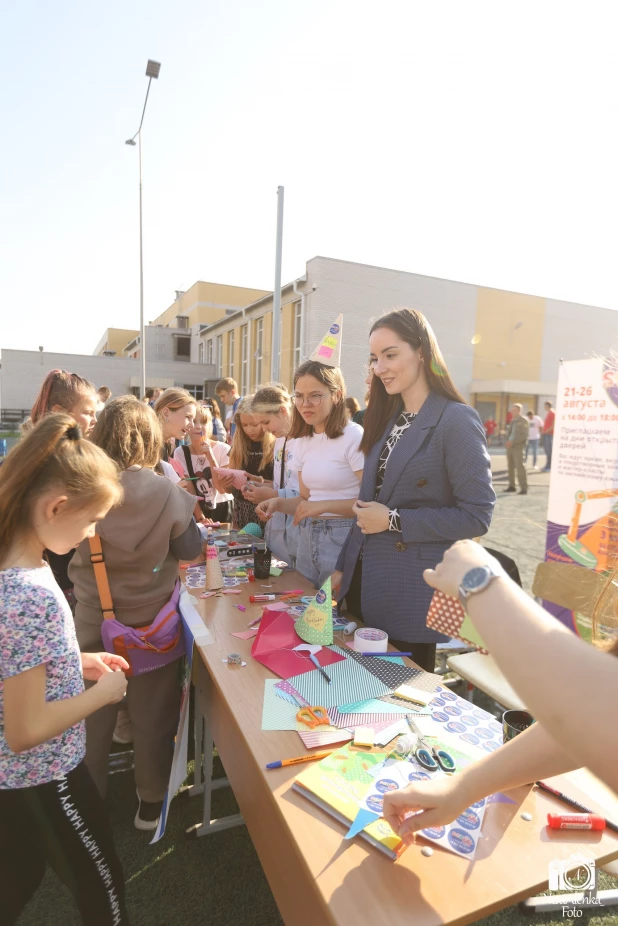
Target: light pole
x,y
152,70
276,334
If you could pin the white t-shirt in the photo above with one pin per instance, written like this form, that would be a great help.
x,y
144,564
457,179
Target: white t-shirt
x,y
169,471
327,466
536,425
221,454
290,469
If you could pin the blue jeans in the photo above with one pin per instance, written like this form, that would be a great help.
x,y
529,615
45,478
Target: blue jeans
x,y
548,443
319,544
532,446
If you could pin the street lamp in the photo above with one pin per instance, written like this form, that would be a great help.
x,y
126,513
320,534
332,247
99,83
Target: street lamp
x,y
152,70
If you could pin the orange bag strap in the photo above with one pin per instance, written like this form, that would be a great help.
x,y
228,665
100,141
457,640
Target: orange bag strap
x,y
100,573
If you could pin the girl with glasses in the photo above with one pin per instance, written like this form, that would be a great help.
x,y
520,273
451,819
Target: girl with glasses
x,y
330,467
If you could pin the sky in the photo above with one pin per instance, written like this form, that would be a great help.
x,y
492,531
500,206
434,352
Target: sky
x,y
473,141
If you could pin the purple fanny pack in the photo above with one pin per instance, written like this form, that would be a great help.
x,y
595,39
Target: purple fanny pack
x,y
150,647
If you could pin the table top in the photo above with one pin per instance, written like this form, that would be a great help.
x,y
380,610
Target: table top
x,y
512,857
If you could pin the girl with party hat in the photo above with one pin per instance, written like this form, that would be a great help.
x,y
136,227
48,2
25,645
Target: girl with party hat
x,y
329,460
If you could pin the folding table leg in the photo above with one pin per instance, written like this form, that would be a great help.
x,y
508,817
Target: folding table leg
x,y
204,783
586,900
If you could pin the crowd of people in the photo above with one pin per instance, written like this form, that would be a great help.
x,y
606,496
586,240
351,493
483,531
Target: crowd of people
x,y
372,498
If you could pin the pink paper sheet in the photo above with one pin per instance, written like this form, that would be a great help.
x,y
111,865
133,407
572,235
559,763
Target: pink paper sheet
x,y
274,645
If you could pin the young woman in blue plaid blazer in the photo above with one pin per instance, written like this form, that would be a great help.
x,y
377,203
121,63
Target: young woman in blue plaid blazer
x,y
426,483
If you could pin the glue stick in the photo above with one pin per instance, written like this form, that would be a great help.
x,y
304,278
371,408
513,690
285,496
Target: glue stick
x,y
575,821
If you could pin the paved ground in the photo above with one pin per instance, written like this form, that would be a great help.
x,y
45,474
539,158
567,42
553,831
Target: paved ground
x,y
519,521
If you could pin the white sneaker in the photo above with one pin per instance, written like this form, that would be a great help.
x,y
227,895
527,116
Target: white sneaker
x,y
147,816
123,733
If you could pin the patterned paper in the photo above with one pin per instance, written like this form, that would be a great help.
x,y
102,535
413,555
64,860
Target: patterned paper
x,y
447,616
339,719
375,706
348,680
316,738
286,691
276,713
393,674
240,477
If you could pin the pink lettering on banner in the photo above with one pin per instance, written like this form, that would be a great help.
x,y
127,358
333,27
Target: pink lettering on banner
x,y
325,351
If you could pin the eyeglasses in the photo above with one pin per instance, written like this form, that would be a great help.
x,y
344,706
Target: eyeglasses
x,y
313,400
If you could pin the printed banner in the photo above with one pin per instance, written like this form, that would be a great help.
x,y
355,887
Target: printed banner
x,y
582,519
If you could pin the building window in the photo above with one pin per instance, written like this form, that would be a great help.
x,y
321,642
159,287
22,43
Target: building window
x,y
182,321
219,356
259,351
182,348
230,354
244,359
298,319
209,357
201,352
196,391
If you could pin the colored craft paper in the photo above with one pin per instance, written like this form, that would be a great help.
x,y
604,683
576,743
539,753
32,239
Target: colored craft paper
x,y
348,680
214,576
374,706
316,624
328,350
391,673
339,719
276,713
314,738
285,690
274,648
363,818
246,634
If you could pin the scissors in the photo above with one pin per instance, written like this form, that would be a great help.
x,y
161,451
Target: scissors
x,y
428,756
313,716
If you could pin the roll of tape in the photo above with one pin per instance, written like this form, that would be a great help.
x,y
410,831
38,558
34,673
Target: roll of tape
x,y
370,640
406,745
350,627
234,659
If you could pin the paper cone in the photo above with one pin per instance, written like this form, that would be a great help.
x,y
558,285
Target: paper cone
x,y
316,624
214,576
328,350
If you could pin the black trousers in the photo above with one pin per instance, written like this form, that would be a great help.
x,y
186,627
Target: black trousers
x,y
61,823
423,654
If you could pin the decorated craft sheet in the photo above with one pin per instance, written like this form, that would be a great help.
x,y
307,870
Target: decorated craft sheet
x,y
338,719
276,713
348,679
460,837
464,721
395,673
446,615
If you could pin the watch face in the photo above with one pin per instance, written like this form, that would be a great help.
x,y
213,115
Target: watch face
x,y
476,578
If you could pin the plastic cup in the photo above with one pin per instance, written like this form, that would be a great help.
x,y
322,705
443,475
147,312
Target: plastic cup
x,y
514,723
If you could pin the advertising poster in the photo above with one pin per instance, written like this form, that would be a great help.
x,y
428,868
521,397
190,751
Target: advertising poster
x,y
582,519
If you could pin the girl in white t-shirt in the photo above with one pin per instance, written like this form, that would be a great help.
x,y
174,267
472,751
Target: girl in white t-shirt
x,y
330,467
175,409
205,454
273,410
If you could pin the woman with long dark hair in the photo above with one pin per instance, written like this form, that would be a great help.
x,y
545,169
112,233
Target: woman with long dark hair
x,y
426,483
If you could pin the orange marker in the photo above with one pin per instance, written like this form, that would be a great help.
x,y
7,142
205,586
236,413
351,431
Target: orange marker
x,y
281,762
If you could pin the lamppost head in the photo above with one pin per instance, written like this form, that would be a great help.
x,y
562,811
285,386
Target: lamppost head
x,y
153,68
130,141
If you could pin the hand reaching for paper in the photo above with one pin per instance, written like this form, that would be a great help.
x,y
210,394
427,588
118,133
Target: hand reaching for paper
x,y
432,803
458,559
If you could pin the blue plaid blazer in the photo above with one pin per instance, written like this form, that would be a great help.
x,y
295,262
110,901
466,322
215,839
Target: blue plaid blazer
x,y
439,478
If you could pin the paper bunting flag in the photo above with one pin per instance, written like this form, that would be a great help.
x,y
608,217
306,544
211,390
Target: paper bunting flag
x,y
316,624
328,350
447,616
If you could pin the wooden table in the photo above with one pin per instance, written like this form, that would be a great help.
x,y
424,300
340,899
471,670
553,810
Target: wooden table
x,y
315,876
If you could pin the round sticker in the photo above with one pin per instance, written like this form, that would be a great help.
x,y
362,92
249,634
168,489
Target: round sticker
x,y
455,727
470,738
452,709
374,803
437,702
469,819
490,747
461,841
434,832
465,705
386,784
439,716
483,731
418,776
448,695
482,715
334,329
320,598
479,804
469,721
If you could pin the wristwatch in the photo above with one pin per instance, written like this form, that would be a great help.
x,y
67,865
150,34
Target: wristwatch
x,y
476,580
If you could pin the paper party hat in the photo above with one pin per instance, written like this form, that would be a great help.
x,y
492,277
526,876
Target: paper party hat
x,y
316,624
328,350
214,576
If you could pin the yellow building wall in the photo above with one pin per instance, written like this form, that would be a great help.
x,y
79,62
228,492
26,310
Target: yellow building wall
x,y
218,295
117,339
509,335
